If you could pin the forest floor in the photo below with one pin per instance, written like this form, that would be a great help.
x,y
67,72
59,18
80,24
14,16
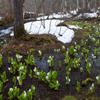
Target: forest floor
x,y
30,45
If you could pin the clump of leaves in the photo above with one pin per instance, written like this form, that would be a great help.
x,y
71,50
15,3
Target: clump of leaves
x,y
30,60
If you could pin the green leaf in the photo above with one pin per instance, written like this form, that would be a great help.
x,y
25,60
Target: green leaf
x,y
51,85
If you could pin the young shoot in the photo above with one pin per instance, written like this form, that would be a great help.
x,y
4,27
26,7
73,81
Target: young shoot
x,y
36,71
91,89
83,42
78,86
30,60
93,40
33,89
14,80
1,58
23,96
54,85
98,79
67,58
60,64
14,66
96,51
9,59
88,67
42,76
3,77
50,61
10,69
29,94
1,96
57,50
1,85
76,63
30,74
81,70
85,51
0,44
19,57
40,52
68,79
13,93
51,76
93,57
77,47
21,77
68,69
97,43
22,67
63,48
72,51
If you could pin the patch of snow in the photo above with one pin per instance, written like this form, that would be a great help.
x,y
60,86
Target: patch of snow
x,y
86,15
40,14
94,11
12,33
42,18
62,33
98,7
68,15
28,12
0,18
6,31
74,12
29,19
67,36
74,27
54,15
78,17
90,15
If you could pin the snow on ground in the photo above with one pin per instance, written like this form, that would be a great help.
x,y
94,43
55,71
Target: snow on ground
x,y
90,15
0,18
54,15
74,27
86,15
6,31
78,17
62,33
74,12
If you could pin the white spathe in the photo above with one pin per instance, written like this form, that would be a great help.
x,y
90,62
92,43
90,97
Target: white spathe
x,y
62,33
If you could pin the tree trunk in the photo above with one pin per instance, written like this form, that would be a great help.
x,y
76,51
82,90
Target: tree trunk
x,y
18,18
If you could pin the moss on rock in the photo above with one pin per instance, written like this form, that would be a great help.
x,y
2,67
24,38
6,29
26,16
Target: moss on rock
x,y
87,81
